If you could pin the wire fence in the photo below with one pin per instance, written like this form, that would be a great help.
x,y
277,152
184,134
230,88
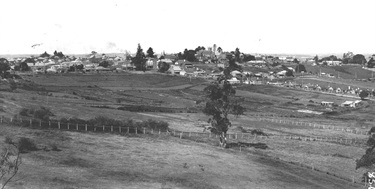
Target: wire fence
x,y
266,118
234,137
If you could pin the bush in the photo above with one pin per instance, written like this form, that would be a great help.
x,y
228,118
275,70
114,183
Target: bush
x,y
26,145
42,113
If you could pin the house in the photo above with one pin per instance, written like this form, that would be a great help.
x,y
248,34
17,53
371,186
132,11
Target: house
x,y
333,63
348,104
234,80
175,70
328,104
151,63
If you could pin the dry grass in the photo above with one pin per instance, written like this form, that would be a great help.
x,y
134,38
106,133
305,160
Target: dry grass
x,y
114,161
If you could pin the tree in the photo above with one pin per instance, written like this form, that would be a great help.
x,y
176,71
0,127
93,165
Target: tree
x,y
199,48
104,64
163,67
23,67
4,66
189,55
150,53
219,49
221,101
248,57
139,60
10,161
363,94
367,161
300,68
237,55
358,59
295,60
316,58
371,63
45,55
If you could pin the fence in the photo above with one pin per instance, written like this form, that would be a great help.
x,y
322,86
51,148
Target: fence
x,y
263,117
39,124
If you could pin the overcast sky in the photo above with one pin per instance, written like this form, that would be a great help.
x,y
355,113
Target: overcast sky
x,y
255,26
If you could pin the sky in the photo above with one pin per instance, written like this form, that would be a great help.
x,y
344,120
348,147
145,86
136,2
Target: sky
x,y
254,26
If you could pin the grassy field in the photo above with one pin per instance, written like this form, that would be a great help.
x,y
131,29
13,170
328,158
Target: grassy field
x,y
90,160
345,71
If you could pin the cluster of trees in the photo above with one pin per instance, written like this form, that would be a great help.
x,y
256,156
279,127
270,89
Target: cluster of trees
x,y
371,63
356,59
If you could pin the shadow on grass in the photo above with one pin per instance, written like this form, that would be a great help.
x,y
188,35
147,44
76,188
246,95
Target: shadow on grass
x,y
258,145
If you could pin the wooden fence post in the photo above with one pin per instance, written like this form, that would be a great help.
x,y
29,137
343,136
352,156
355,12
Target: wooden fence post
x,y
94,128
119,129
159,131
111,128
85,127
235,136
40,123
152,131
181,135
103,128
144,130
11,119
77,126
49,124
127,130
31,122
68,126
58,125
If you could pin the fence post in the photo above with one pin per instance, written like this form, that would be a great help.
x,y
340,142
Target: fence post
x,y
77,127
152,131
85,127
119,129
40,123
58,125
111,128
159,131
189,134
144,130
68,126
49,124
181,135
1,119
236,136
94,128
136,130
127,130
11,119
103,128
31,122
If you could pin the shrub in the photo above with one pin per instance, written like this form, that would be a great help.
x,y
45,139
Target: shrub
x,y
258,132
43,113
8,140
26,145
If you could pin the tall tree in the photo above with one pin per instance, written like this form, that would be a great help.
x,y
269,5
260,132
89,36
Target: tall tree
x,y
371,63
139,60
150,52
237,55
316,58
45,55
4,66
221,101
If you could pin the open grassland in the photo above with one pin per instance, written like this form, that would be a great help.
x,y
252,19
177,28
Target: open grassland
x,y
345,71
113,161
